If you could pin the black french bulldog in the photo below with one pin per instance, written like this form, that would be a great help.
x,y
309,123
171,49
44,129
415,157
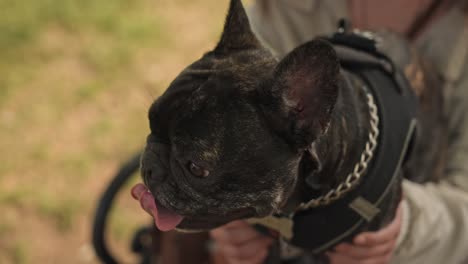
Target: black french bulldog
x,y
235,134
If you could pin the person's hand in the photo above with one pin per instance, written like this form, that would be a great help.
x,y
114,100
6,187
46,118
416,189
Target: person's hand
x,y
240,243
369,247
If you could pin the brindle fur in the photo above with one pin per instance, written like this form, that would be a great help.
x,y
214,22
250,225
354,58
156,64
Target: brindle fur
x,y
262,126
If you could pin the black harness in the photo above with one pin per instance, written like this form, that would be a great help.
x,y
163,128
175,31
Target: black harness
x,y
320,228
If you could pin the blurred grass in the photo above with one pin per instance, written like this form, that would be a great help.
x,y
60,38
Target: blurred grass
x,y
21,22
20,253
76,79
110,38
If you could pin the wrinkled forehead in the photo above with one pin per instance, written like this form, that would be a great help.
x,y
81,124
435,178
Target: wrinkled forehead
x,y
211,115
211,95
243,67
225,138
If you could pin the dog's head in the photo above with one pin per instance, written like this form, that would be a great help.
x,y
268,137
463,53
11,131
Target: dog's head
x,y
228,135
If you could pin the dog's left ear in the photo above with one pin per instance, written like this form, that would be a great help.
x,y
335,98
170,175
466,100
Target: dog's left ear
x,y
306,85
237,34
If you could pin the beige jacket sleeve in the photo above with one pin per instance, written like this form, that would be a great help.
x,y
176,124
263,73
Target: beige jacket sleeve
x,y
435,225
435,215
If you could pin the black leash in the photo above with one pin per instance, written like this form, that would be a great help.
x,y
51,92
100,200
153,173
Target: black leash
x,y
105,205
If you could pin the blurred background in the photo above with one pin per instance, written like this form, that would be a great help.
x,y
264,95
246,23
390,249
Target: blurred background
x,y
76,80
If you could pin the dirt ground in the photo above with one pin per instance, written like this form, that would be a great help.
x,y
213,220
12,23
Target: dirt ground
x,y
76,80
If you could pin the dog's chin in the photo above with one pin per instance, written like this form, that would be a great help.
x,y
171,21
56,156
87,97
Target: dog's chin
x,y
200,224
191,226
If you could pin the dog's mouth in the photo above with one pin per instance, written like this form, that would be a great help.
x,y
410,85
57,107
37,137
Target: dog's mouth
x,y
164,218
205,223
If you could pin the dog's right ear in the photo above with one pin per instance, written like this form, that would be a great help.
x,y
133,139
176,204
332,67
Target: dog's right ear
x,y
305,87
237,34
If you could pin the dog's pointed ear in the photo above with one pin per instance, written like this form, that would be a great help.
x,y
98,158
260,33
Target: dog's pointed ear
x,y
237,34
306,86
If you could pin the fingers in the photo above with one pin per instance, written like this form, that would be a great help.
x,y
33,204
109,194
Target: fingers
x,y
251,250
238,224
259,257
241,243
237,232
369,247
337,258
361,252
382,236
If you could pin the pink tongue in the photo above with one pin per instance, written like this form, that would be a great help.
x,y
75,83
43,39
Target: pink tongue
x,y
164,218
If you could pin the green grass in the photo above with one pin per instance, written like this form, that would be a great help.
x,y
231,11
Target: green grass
x,y
5,228
17,198
62,211
19,253
105,33
21,22
59,208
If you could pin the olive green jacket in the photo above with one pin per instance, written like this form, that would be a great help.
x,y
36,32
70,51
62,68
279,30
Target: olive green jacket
x,y
435,215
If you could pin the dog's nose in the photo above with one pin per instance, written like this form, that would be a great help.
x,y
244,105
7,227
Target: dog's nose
x,y
154,175
147,174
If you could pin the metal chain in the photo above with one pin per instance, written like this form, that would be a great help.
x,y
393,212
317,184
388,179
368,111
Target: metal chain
x,y
353,178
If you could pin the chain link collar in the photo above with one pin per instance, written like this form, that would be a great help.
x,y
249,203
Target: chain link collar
x,y
354,177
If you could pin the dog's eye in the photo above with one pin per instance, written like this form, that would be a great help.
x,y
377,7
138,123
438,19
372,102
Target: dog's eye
x,y
197,170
